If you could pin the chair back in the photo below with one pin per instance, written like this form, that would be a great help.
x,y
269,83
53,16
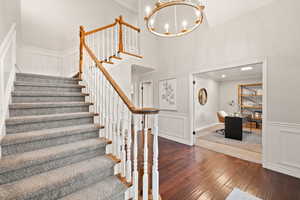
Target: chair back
x,y
221,116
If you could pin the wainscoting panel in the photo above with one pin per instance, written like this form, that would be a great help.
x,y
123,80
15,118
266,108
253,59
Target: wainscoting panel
x,y
47,62
40,61
283,148
173,127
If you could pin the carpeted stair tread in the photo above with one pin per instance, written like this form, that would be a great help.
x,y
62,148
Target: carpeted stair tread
x,y
60,85
105,190
56,179
44,134
47,105
17,161
43,118
47,94
45,76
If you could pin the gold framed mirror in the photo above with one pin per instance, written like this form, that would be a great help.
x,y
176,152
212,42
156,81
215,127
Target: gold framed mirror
x,y
202,96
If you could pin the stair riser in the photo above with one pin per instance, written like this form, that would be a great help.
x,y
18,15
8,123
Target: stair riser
x,y
47,111
24,172
50,89
45,80
17,128
41,144
29,99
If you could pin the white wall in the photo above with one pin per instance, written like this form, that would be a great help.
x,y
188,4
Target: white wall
x,y
270,32
206,115
229,93
51,31
9,14
121,73
48,62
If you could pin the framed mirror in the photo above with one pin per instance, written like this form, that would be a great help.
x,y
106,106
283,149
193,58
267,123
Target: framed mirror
x,y
202,96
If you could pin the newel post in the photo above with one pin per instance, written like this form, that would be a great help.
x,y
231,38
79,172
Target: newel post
x,y
81,34
121,46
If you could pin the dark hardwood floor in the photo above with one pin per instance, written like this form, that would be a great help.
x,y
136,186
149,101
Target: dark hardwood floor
x,y
193,173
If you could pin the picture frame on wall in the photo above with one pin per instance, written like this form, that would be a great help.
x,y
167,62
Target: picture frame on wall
x,y
168,94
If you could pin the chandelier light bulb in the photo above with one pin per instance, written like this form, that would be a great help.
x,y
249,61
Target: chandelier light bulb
x,y
152,22
148,10
184,24
198,13
167,26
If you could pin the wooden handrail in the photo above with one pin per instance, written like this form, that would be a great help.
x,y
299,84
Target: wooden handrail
x,y
131,26
131,54
117,88
100,29
121,21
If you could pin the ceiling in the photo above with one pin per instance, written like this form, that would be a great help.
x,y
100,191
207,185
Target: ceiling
x,y
129,4
234,74
217,12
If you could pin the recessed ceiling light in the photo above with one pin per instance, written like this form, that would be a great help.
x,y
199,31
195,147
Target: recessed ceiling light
x,y
223,76
246,68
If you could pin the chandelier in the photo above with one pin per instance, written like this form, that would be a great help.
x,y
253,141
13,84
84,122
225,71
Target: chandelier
x,y
172,18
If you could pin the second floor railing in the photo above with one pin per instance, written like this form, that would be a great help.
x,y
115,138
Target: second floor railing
x,y
121,118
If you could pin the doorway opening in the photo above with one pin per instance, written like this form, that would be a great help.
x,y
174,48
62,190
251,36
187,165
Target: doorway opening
x,y
229,110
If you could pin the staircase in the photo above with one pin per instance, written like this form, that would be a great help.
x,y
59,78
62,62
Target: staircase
x,y
77,138
52,149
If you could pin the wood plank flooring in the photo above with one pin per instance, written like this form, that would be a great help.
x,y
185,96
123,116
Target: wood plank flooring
x,y
195,173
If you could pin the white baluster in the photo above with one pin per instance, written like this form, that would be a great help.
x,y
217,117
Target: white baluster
x,y
131,40
125,38
139,43
114,124
136,43
98,46
92,93
129,136
107,44
110,120
145,175
101,102
135,158
116,40
112,42
106,96
102,45
123,152
155,173
118,133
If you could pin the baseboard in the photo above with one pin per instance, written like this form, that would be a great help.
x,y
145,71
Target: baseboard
x,y
281,169
207,126
175,139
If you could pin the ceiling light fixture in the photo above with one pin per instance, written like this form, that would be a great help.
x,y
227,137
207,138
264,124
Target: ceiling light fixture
x,y
246,68
181,19
223,76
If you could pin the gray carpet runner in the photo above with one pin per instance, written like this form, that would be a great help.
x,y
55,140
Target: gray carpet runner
x,y
52,148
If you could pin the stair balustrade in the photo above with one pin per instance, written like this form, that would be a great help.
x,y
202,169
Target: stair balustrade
x,y
7,73
122,120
